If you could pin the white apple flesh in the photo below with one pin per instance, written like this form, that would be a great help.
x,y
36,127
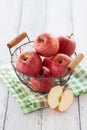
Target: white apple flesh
x,y
54,96
60,99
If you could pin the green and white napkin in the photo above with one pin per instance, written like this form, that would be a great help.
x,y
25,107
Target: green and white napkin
x,y
30,101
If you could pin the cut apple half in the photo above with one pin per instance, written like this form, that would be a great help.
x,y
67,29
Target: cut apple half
x,y
54,96
60,98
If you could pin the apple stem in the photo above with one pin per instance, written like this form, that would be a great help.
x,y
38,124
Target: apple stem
x,y
70,35
42,41
25,58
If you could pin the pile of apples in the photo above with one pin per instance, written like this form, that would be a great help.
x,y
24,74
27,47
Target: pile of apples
x,y
49,59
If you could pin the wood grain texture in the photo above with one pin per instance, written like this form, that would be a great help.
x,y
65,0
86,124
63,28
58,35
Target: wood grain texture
x,y
8,24
17,40
79,12
16,120
59,17
59,21
61,121
35,17
31,21
3,104
80,31
83,111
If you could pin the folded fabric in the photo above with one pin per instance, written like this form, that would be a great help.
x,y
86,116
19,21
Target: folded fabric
x,y
30,101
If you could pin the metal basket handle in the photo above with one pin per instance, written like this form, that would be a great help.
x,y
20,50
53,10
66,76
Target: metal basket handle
x,y
18,39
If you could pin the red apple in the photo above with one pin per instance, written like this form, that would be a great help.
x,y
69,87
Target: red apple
x,y
67,45
43,82
59,64
47,61
46,45
29,63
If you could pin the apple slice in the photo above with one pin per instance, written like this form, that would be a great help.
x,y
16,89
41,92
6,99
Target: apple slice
x,y
66,100
54,96
60,99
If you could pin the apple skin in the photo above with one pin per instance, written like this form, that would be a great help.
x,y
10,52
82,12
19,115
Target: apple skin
x,y
59,64
29,63
47,61
46,45
43,82
67,45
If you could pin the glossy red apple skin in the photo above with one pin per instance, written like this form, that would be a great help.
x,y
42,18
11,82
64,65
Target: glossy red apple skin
x,y
29,63
59,64
46,45
43,82
47,61
67,45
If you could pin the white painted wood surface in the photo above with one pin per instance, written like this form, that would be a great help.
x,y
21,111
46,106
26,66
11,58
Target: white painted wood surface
x,y
35,17
80,31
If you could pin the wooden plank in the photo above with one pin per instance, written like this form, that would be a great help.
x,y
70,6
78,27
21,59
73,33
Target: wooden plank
x,y
61,121
79,27
3,104
33,18
8,28
16,120
31,21
59,17
80,31
59,21
31,11
82,111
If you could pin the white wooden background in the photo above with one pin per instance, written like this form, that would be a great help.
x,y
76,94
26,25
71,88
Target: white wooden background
x,y
34,17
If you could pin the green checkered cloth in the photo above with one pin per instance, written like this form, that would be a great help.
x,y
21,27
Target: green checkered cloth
x,y
30,101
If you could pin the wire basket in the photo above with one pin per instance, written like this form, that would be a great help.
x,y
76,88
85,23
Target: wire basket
x,y
26,79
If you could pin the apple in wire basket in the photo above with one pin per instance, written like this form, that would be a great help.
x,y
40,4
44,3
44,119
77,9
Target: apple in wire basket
x,y
46,45
67,45
43,81
59,64
47,61
29,63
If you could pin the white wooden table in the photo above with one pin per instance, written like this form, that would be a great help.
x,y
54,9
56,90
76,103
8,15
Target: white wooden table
x,y
35,17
